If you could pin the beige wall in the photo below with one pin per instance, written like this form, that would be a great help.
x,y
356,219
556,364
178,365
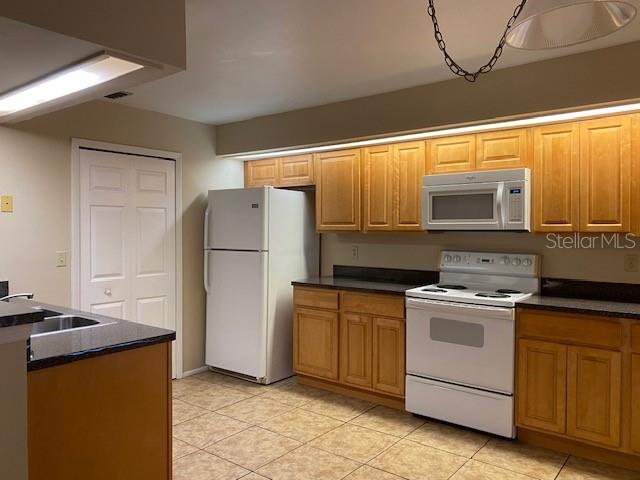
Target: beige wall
x,y
585,79
420,251
35,168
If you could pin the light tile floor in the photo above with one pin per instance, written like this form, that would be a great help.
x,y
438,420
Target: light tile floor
x,y
226,429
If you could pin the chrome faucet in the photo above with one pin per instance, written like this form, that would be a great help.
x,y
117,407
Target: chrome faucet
x,y
16,295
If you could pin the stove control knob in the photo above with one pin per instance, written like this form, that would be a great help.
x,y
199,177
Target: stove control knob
x,y
447,258
527,262
505,260
457,259
517,262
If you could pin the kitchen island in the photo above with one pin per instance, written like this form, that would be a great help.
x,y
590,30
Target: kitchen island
x,y
99,399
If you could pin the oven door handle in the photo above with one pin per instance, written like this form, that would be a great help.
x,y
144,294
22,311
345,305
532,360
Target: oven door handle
x,y
451,307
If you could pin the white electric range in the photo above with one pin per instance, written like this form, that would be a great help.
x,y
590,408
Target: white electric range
x,y
461,339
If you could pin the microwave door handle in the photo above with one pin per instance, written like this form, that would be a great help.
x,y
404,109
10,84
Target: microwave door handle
x,y
500,206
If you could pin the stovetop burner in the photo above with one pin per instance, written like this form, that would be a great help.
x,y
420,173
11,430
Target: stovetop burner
x,y
433,290
451,287
492,295
508,290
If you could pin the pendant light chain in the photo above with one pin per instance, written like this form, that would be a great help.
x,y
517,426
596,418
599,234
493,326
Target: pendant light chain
x,y
451,63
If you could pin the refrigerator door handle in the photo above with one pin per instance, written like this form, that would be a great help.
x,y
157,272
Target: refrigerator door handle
x,y
206,271
206,228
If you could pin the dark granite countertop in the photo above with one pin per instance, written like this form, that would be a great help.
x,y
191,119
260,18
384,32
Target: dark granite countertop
x,y
605,308
13,314
112,335
354,284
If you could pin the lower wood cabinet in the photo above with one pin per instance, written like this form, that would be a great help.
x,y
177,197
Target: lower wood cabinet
x,y
355,349
356,340
389,355
635,403
594,390
571,379
315,342
542,385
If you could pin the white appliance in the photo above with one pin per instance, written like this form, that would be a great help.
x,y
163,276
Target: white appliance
x,y
461,339
257,241
487,200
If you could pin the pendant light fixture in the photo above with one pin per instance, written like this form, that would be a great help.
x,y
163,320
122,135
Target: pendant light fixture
x,y
544,24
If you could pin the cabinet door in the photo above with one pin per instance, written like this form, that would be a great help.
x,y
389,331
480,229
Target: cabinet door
x,y
315,343
593,395
605,174
542,385
355,349
635,403
260,173
556,179
338,190
409,160
295,171
451,154
502,149
388,355
377,188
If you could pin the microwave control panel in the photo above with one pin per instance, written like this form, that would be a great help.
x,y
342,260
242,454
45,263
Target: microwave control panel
x,y
516,211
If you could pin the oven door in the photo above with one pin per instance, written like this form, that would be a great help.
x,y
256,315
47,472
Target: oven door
x,y
458,343
473,206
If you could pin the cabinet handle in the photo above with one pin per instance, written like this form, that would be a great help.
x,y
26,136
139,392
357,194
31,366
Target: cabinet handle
x,y
107,292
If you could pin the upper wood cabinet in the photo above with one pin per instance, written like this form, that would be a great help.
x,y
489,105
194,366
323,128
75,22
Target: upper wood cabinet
x,y
542,385
635,403
408,171
355,349
605,174
392,186
377,187
261,173
451,154
295,170
291,171
502,149
315,342
556,179
594,393
338,190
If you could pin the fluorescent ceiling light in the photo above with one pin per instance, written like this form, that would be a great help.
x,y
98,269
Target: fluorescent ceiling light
x,y
525,122
70,80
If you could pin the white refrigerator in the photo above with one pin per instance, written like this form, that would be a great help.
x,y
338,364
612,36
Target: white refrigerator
x,y
257,240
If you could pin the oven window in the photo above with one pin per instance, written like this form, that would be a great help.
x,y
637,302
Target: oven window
x,y
457,332
473,206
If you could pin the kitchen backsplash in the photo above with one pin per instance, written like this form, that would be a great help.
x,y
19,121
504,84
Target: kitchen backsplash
x,y
420,251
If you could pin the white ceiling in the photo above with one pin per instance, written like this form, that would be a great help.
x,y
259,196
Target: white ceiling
x,y
248,58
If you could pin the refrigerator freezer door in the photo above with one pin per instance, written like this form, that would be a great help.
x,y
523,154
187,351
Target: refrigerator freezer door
x,y
236,311
237,219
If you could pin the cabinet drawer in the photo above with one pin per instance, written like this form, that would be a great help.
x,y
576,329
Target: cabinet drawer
x,y
317,298
635,337
380,305
581,329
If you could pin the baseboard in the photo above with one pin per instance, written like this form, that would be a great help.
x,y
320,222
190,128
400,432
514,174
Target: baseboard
x,y
579,449
195,371
382,399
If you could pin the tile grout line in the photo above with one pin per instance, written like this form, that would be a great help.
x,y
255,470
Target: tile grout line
x,y
566,460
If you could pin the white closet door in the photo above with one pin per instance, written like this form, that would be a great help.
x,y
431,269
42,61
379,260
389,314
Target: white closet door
x,y
127,237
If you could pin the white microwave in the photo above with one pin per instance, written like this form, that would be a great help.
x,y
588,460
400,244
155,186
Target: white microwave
x,y
485,200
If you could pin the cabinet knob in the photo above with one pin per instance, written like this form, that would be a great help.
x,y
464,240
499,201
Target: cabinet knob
x,y
107,291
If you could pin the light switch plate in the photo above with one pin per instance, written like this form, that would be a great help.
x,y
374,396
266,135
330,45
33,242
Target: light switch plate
x,y
61,259
6,203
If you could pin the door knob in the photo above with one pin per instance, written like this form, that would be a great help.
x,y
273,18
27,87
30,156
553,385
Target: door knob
x,y
107,291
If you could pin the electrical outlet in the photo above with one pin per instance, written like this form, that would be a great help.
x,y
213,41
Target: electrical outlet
x,y
354,252
631,263
6,203
61,259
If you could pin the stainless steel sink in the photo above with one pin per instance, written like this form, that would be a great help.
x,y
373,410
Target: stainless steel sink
x,y
59,323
